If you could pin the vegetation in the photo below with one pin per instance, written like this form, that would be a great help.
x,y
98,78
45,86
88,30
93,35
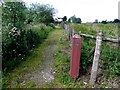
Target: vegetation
x,y
18,39
40,13
31,64
25,28
109,58
96,21
109,30
73,19
116,20
64,18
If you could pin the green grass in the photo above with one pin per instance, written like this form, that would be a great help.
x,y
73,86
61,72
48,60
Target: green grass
x,y
109,52
62,67
109,57
109,30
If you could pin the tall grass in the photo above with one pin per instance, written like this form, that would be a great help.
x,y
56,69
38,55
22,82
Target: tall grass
x,y
109,60
109,52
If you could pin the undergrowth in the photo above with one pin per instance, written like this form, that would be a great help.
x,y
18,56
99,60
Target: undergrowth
x,y
16,47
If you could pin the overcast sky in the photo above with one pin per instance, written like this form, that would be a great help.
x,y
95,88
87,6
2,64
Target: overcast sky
x,y
87,10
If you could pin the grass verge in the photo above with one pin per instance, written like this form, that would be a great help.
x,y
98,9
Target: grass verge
x,y
107,77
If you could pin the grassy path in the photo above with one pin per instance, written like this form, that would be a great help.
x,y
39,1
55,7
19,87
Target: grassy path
x,y
37,70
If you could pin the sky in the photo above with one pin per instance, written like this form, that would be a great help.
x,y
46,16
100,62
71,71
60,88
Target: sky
x,y
87,10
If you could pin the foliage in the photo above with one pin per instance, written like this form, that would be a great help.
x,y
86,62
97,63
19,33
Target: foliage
x,y
32,63
41,13
96,21
84,28
109,30
109,58
116,21
62,64
78,20
86,54
14,51
18,37
64,18
14,15
74,19
104,22
110,52
13,41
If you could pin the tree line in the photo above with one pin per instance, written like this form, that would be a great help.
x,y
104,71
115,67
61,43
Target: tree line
x,y
75,19
105,21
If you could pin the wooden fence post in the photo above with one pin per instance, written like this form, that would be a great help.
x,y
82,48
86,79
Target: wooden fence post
x,y
69,32
96,59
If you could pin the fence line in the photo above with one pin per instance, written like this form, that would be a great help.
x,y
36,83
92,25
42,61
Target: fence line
x,y
104,39
69,30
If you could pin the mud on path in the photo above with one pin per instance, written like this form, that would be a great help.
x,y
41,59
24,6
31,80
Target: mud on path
x,y
39,74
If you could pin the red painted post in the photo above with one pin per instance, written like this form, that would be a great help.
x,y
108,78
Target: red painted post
x,y
75,57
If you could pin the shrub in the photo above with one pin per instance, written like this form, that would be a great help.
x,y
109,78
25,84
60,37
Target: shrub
x,y
16,47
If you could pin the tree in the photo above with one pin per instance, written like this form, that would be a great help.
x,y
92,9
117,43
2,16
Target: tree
x,y
42,13
17,38
69,20
74,19
64,18
104,22
116,21
13,31
96,21
14,14
78,20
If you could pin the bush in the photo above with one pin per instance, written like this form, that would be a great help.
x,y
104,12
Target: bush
x,y
86,56
16,47
18,39
52,25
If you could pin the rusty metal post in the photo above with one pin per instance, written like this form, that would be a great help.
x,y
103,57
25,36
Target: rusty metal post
x,y
75,57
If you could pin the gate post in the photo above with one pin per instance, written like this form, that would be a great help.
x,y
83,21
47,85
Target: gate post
x,y
75,56
96,59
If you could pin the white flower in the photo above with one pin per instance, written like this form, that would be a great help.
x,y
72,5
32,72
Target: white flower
x,y
19,54
53,72
9,32
84,82
13,50
14,29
